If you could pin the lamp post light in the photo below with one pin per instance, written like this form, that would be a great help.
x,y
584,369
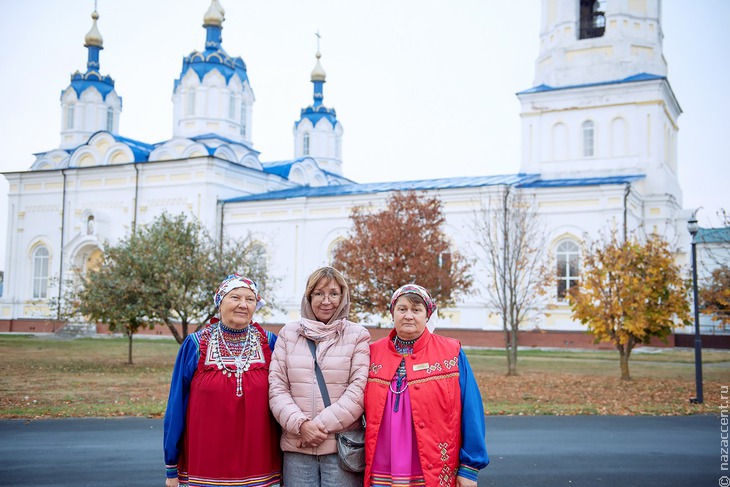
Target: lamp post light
x,y
693,228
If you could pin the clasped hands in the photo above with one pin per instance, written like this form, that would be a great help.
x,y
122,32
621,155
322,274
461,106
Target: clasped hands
x,y
312,434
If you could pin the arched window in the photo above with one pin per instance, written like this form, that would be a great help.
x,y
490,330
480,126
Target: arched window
x,y
190,105
90,225
305,144
592,19
40,273
232,106
243,119
588,139
332,251
70,117
110,119
568,266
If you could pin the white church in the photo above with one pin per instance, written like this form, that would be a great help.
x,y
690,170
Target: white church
x,y
599,148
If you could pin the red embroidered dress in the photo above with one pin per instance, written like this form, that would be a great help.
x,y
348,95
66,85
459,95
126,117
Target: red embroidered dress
x,y
228,439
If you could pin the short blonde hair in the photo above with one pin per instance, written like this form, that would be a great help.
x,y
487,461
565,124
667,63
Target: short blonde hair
x,y
329,273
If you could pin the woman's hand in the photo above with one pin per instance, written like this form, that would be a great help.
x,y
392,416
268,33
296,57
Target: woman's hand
x,y
171,482
312,434
463,482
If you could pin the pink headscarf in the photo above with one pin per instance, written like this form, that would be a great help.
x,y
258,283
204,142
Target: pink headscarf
x,y
418,291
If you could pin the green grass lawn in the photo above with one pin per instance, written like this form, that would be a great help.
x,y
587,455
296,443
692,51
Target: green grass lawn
x,y
44,377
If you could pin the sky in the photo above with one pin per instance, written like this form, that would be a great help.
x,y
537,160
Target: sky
x,y
423,88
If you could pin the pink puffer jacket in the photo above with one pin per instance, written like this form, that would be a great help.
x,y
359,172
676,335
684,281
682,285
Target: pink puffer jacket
x,y
294,395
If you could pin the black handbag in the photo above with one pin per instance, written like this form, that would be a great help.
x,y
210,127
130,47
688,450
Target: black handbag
x,y
350,444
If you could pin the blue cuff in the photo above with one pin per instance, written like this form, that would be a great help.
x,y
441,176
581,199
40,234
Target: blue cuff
x,y
467,472
171,471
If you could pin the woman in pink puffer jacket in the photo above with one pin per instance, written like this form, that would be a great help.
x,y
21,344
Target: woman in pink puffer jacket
x,y
343,354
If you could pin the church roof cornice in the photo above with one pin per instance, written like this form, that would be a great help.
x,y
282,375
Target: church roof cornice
x,y
354,188
631,79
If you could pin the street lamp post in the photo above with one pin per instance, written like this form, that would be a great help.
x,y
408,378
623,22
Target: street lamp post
x,y
693,228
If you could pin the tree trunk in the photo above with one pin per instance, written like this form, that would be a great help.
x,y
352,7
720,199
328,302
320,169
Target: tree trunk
x,y
624,354
507,345
510,348
512,353
174,332
130,335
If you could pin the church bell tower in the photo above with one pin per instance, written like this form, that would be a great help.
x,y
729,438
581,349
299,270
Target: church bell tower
x,y
601,104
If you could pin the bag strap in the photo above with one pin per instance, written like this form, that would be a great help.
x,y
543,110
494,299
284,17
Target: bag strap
x,y
318,372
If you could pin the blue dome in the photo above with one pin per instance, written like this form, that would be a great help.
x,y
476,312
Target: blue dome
x,y
80,82
315,114
213,57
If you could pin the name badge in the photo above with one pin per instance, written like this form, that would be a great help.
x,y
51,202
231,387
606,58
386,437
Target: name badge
x,y
418,367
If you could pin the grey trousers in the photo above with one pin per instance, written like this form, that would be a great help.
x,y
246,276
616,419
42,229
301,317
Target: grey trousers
x,y
301,470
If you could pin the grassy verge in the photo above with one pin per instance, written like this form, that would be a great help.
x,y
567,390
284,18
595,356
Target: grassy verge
x,y
574,382
50,377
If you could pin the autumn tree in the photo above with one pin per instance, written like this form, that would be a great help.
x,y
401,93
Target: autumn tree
x,y
715,295
511,245
166,272
187,264
630,292
714,292
403,243
103,296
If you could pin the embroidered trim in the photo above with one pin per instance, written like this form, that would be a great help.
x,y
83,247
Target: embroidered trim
x,y
434,377
449,364
375,368
444,452
446,477
434,368
377,380
469,469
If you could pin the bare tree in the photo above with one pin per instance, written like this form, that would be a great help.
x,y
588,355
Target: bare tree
x,y
511,243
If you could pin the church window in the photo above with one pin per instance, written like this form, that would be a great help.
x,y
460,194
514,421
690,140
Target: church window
x,y
232,107
243,119
588,149
305,144
592,19
109,119
568,266
70,117
190,106
40,273
90,225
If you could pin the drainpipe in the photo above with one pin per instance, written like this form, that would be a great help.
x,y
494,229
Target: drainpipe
x,y
63,232
627,191
220,236
136,197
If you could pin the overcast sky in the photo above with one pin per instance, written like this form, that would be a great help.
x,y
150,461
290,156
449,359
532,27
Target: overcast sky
x,y
423,88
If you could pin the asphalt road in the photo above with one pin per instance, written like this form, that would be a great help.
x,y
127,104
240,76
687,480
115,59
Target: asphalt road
x,y
525,451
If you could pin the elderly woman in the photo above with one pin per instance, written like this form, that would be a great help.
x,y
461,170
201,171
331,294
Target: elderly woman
x,y
218,429
424,409
342,351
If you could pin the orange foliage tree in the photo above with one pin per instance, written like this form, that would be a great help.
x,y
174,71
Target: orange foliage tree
x,y
401,244
715,295
715,291
629,293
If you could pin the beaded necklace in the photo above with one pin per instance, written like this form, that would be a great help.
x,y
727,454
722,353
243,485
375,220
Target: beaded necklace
x,y
248,338
403,347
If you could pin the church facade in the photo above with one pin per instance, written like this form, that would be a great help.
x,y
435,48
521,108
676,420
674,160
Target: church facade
x,y
599,139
